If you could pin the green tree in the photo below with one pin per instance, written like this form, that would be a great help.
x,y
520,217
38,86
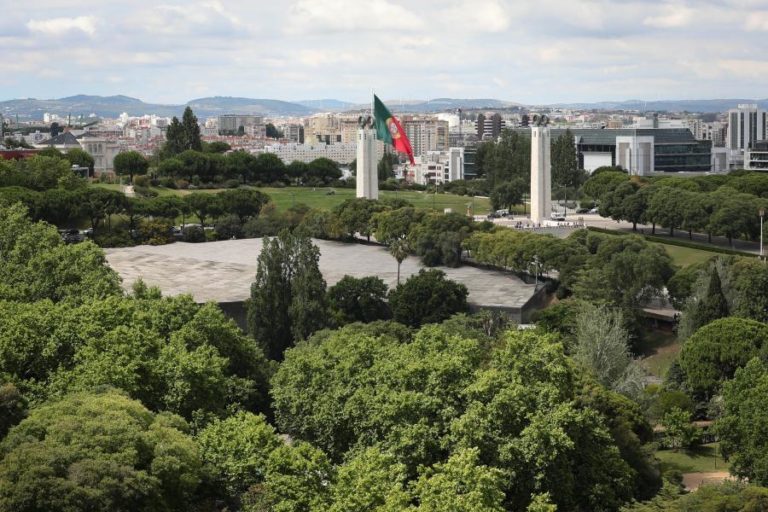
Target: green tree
x,y
297,481
356,216
323,171
236,450
13,407
36,264
191,131
268,168
392,227
602,346
358,300
565,164
386,166
679,432
203,206
742,438
174,139
712,305
506,195
130,163
99,451
243,203
297,170
288,297
602,183
370,480
427,297
461,484
272,132
77,156
715,351
173,167
241,165
216,146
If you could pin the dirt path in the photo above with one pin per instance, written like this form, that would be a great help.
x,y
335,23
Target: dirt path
x,y
692,481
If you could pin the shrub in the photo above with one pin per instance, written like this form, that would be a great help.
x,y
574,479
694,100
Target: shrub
x,y
229,227
193,234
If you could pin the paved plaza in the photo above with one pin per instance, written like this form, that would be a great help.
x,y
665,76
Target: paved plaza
x,y
223,271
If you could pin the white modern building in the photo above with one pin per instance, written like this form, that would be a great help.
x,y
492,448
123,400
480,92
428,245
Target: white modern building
x,y
746,124
439,166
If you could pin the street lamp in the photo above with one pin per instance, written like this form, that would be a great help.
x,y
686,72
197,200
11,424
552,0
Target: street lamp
x,y
762,214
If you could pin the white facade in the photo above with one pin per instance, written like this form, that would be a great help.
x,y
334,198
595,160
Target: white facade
x,y
746,124
340,153
541,174
367,172
635,154
103,153
439,167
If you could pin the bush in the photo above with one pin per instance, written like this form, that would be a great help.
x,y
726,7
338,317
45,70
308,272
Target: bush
x,y
144,191
182,184
115,238
157,232
231,184
167,183
141,181
229,227
193,234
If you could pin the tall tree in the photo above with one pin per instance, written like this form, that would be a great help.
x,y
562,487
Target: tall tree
x,y
565,164
130,163
288,299
174,138
191,132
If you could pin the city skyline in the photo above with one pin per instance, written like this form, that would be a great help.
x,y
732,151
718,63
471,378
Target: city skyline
x,y
551,52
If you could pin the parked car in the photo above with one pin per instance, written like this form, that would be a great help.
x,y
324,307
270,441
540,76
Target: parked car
x,y
559,217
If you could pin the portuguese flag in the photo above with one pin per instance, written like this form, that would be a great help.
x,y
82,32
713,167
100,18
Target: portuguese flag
x,y
389,129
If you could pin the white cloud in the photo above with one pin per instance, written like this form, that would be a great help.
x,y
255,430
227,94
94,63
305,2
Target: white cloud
x,y
60,26
308,16
757,21
671,16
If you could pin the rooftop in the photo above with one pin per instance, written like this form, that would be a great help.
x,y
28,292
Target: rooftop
x,y
223,271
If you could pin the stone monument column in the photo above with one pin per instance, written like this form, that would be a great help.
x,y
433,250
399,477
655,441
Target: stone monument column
x,y
367,174
541,171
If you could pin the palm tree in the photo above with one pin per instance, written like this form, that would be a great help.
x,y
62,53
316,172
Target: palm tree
x,y
399,250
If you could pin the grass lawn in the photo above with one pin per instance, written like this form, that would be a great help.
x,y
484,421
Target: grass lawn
x,y
320,198
700,459
659,349
685,256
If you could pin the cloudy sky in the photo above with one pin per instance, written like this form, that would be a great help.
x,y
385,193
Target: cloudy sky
x,y
529,51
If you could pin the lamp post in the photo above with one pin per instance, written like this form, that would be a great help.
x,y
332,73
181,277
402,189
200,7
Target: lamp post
x,y
762,214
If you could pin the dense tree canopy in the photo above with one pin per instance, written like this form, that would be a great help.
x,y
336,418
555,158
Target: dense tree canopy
x,y
99,451
427,401
715,351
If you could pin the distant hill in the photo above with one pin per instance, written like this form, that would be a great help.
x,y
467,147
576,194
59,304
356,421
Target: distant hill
x,y
700,106
113,106
440,105
327,105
